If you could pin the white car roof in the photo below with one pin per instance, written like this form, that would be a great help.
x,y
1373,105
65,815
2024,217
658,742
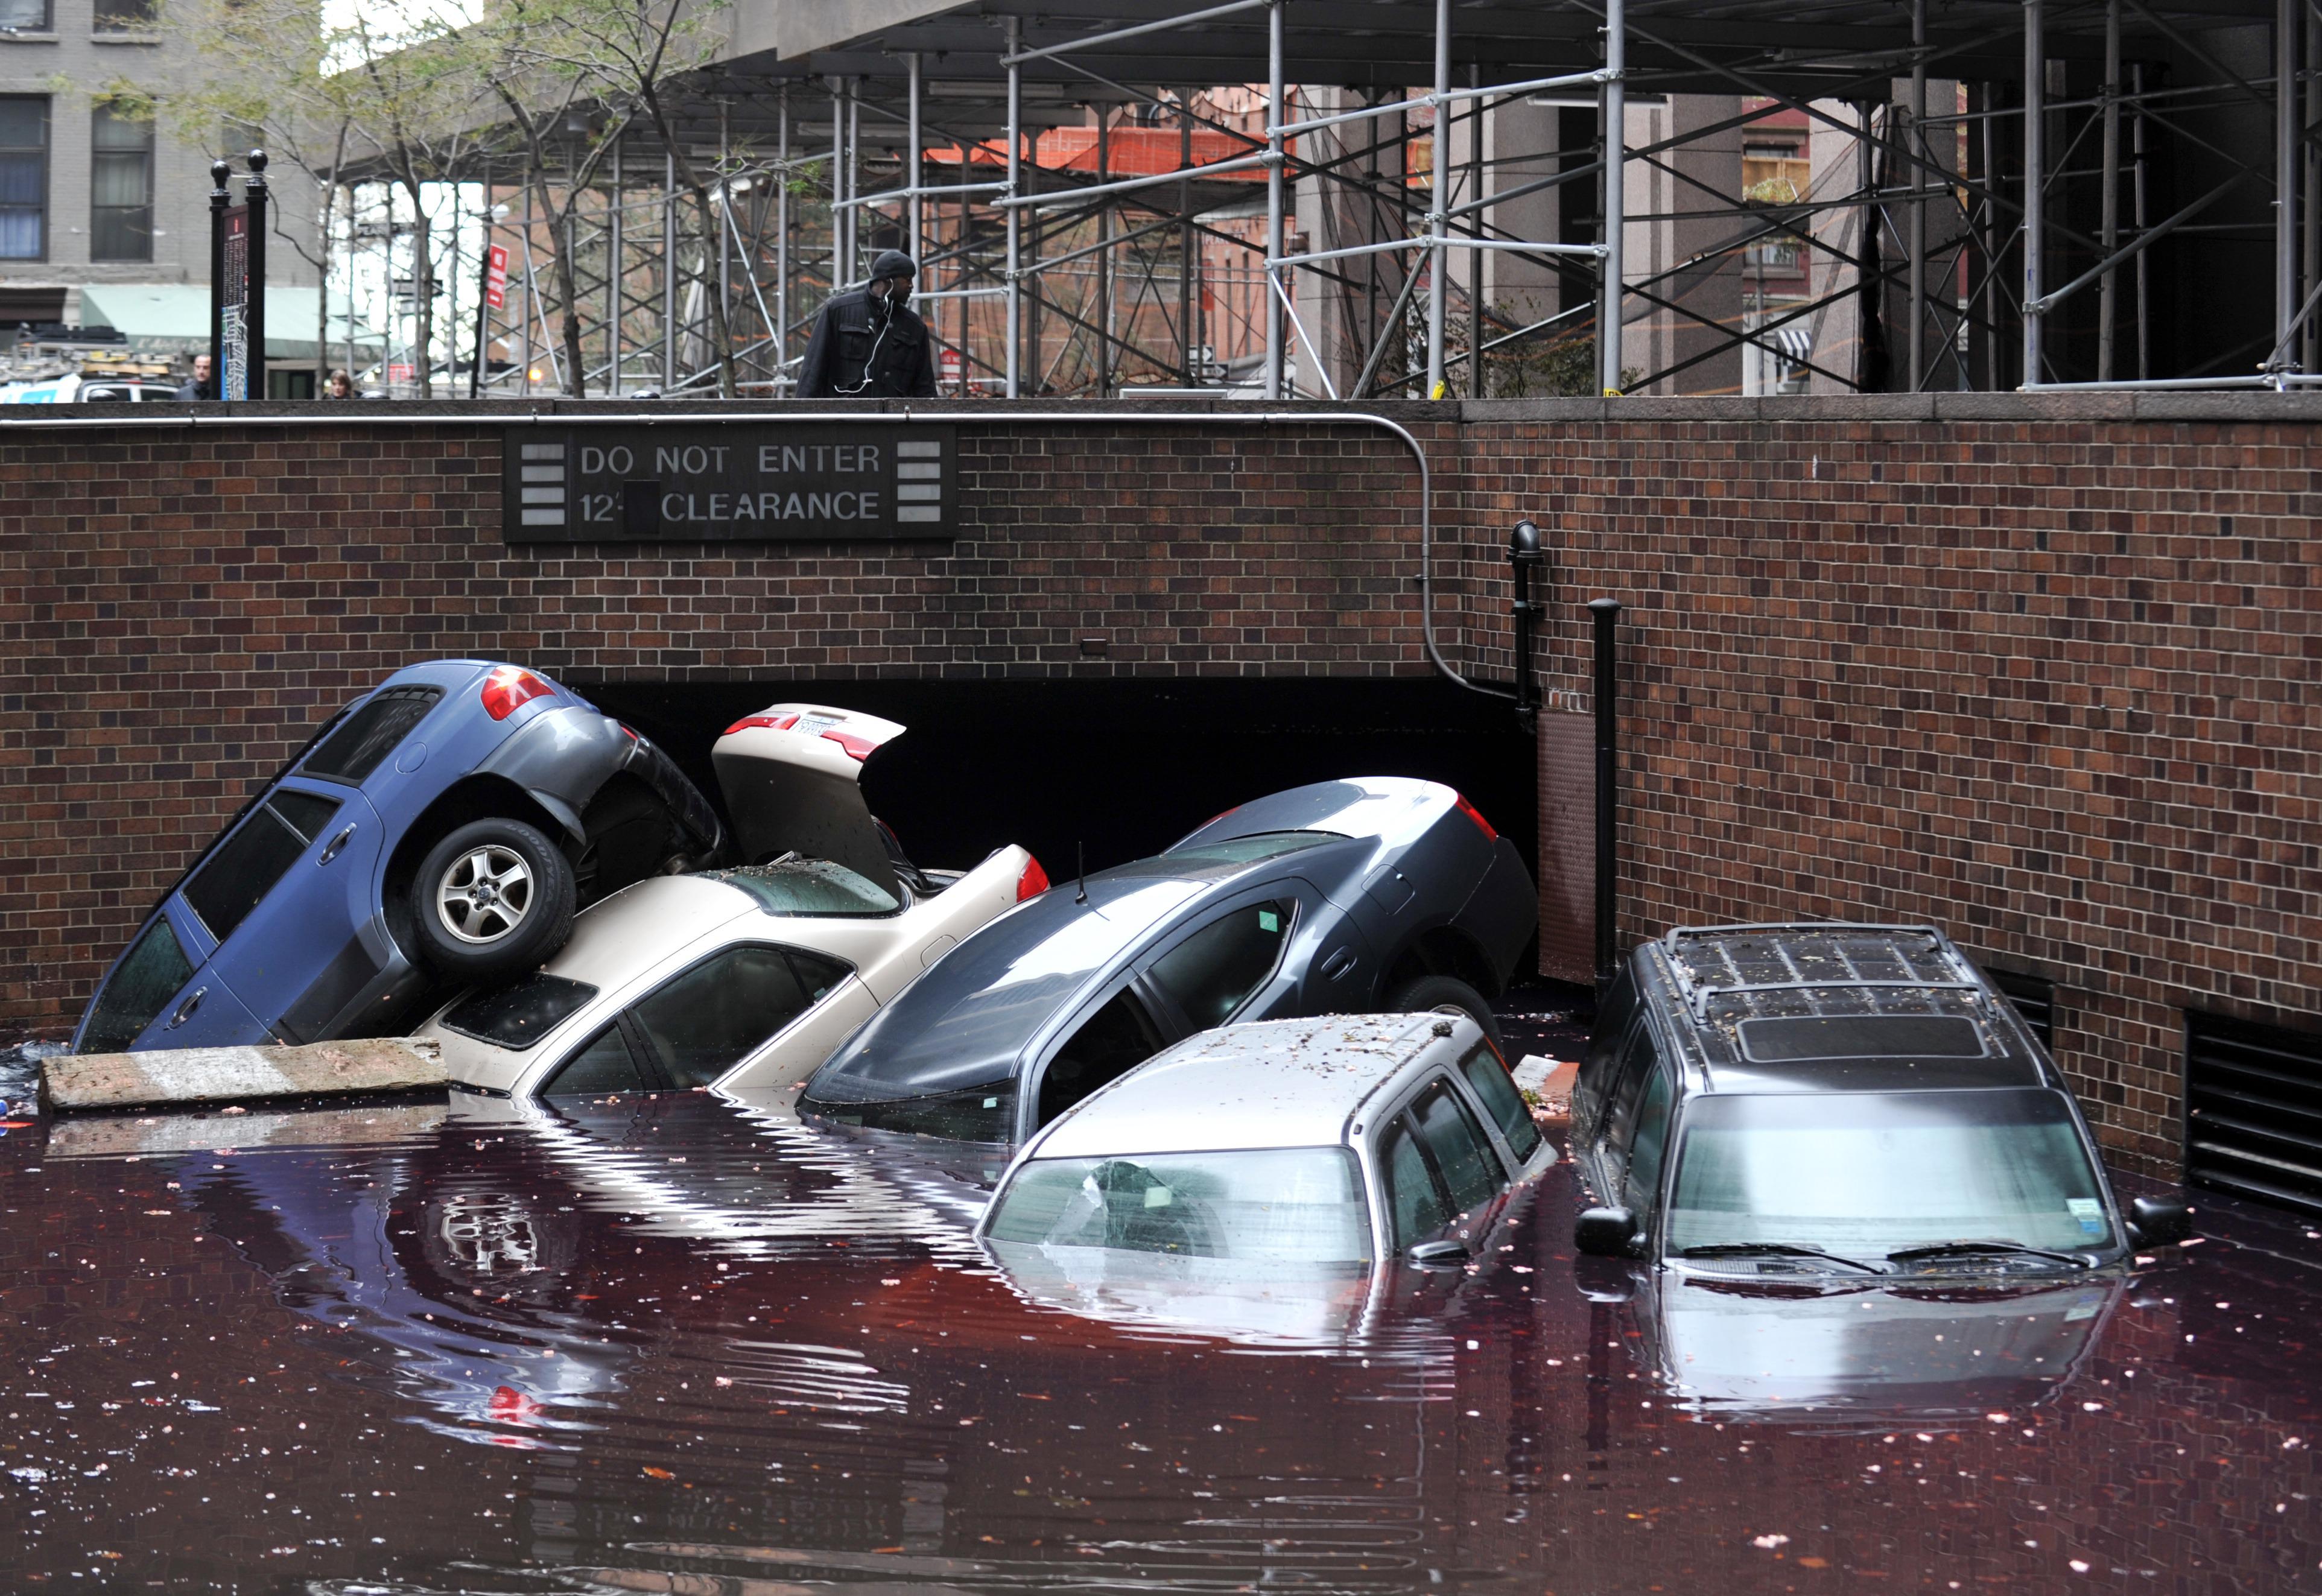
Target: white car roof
x,y
1277,1083
656,917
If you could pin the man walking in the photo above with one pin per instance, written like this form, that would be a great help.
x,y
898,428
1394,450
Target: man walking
x,y
199,386
867,343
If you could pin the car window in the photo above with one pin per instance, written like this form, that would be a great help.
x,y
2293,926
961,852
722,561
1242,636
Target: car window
x,y
818,974
1469,1168
1600,1064
1212,972
236,879
1644,1180
1639,1061
717,1014
1414,1203
1115,1040
1257,845
520,1012
603,1067
1501,1100
1288,1205
370,734
155,968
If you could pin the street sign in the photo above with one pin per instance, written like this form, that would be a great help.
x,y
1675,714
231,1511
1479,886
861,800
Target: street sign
x,y
765,482
496,275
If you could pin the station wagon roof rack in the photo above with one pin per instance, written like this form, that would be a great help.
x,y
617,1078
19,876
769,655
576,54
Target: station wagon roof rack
x,y
1938,967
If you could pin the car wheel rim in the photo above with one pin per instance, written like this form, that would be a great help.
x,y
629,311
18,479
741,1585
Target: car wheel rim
x,y
485,895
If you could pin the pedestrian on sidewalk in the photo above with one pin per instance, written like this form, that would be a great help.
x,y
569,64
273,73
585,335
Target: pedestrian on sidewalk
x,y
868,343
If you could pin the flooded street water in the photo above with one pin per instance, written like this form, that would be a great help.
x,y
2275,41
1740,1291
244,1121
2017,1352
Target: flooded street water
x,y
668,1345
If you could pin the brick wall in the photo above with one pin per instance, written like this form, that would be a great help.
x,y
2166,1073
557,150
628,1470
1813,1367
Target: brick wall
x,y
2040,671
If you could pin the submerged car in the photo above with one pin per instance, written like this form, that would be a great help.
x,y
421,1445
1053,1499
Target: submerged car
x,y
1366,895
1816,1099
1266,1179
742,978
441,829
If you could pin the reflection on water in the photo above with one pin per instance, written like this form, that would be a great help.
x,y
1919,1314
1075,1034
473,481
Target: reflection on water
x,y
678,1346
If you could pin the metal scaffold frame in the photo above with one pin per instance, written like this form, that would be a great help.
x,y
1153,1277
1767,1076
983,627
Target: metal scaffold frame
x,y
1963,244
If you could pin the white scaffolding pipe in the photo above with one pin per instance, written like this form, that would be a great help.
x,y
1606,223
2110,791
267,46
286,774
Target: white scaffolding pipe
x,y
1919,244
1613,111
1016,57
911,169
1015,284
1439,195
1478,92
2285,183
669,269
1071,198
2035,180
783,235
2108,210
1438,241
889,196
1274,240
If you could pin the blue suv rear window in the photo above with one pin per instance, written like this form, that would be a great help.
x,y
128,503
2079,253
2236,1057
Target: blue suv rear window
x,y
372,732
148,977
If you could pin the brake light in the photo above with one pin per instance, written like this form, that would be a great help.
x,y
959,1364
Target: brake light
x,y
860,748
1032,882
1477,815
772,723
509,688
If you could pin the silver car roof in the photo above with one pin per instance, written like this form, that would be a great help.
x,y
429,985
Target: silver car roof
x,y
1276,1083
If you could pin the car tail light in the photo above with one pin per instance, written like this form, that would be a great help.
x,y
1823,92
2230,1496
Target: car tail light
x,y
861,748
509,688
1477,815
772,723
1032,882
1213,819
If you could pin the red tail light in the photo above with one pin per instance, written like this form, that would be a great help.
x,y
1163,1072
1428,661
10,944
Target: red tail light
x,y
1032,882
860,748
1477,815
772,723
509,688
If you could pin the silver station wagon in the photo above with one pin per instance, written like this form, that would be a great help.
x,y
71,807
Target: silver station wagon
x,y
1276,1151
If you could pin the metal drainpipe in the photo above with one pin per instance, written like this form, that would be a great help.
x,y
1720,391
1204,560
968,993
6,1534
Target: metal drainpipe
x,y
1605,614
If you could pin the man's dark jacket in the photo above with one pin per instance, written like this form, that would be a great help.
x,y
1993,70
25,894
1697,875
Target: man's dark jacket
x,y
862,348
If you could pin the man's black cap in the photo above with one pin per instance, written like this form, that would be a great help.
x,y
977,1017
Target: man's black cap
x,y
893,263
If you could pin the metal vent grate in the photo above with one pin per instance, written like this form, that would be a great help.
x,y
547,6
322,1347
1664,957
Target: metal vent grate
x,y
2253,1109
2034,998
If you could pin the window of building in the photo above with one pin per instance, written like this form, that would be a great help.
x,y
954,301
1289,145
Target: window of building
x,y
24,177
24,17
120,187
122,16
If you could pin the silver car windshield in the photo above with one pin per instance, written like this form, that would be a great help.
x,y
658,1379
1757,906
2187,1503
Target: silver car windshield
x,y
1288,1205
1866,1174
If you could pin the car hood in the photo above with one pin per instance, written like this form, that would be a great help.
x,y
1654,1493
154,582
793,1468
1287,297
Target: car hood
x,y
791,776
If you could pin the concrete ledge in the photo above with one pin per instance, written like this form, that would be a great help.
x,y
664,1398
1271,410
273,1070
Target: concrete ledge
x,y
235,1074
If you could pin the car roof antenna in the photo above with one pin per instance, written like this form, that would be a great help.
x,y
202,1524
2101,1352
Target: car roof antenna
x,y
1080,868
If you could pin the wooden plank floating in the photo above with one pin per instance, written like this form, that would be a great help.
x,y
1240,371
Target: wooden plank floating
x,y
240,1074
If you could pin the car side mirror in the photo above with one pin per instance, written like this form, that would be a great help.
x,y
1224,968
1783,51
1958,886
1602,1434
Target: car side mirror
x,y
1437,1255
1604,1280
2161,1220
1607,1233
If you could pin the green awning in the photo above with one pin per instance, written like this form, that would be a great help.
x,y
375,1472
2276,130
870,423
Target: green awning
x,y
174,317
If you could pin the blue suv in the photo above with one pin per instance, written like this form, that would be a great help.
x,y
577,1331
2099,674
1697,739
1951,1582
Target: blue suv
x,y
439,831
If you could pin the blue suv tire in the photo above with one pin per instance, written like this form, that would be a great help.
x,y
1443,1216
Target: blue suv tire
x,y
495,898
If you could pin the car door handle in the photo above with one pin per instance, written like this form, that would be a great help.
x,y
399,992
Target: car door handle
x,y
1338,964
186,1009
337,843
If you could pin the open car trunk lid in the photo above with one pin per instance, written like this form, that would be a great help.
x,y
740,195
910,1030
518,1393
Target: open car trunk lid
x,y
790,775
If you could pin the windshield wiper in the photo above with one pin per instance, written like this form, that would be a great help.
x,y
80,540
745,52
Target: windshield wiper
x,y
1969,1249
1774,1249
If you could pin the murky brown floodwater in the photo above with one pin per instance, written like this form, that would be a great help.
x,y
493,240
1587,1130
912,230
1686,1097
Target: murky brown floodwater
x,y
671,1347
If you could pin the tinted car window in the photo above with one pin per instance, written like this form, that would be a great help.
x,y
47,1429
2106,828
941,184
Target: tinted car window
x,y
1652,1139
370,734
1637,1063
1113,1041
814,887
307,814
521,1013
1500,1097
715,1015
817,973
1210,974
1257,845
149,977
1416,1207
237,878
603,1067
1469,1168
